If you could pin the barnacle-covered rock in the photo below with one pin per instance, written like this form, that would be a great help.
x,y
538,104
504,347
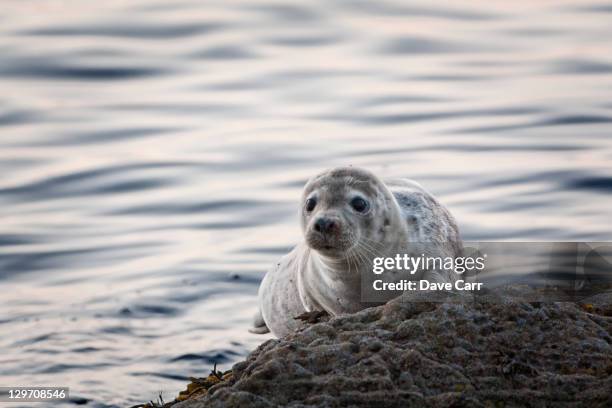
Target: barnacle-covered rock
x,y
489,351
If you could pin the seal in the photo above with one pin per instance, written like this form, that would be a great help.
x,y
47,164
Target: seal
x,y
349,217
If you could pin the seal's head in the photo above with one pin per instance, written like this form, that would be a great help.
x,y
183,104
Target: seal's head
x,y
347,208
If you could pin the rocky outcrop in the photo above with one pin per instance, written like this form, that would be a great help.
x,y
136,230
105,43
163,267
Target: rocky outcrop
x,y
489,351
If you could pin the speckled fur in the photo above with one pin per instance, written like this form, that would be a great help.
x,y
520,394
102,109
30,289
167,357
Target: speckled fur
x,y
403,219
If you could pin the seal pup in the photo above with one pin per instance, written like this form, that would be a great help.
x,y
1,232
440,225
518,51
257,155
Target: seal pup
x,y
348,217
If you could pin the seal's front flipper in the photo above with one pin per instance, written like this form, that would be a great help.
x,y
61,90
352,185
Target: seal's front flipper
x,y
259,326
313,317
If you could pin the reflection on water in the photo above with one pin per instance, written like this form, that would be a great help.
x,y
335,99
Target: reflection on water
x,y
153,154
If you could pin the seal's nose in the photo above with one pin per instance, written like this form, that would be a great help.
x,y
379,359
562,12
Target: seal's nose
x,y
325,225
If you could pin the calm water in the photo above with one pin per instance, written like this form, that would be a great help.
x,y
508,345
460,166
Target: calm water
x,y
152,156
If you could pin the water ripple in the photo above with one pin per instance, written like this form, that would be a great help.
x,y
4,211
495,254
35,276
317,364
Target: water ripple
x,y
107,136
226,52
194,208
600,184
89,182
399,118
394,9
582,66
17,117
129,30
421,45
286,12
560,120
46,69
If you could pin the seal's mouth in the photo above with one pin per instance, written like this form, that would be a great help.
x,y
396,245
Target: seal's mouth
x,y
329,245
323,245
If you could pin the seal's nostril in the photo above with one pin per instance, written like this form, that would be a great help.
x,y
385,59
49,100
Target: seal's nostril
x,y
324,225
320,225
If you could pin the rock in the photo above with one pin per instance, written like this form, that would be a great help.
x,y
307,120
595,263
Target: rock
x,y
490,351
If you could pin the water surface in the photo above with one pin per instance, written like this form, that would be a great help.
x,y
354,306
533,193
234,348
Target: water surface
x,y
152,156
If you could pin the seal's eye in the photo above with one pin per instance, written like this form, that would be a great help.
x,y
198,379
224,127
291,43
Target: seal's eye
x,y
359,204
311,203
